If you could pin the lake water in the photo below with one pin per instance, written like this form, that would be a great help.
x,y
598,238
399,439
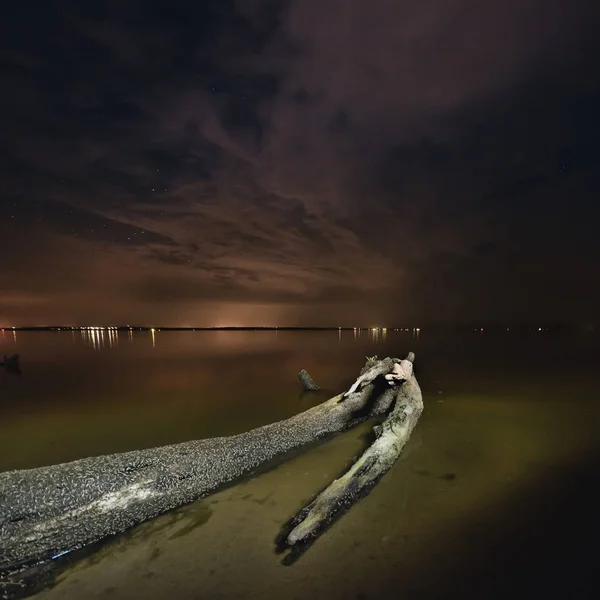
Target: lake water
x,y
494,496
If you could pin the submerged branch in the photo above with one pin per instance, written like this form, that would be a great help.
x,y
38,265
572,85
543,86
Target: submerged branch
x,y
307,382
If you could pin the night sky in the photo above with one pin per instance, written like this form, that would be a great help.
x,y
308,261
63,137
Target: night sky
x,y
309,162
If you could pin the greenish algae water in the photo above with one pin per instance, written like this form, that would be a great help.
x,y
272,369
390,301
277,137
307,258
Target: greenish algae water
x,y
493,497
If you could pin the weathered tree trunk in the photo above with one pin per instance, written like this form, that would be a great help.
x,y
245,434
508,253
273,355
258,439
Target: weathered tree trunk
x,y
48,511
392,436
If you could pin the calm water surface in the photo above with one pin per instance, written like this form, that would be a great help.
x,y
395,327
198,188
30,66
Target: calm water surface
x,y
494,495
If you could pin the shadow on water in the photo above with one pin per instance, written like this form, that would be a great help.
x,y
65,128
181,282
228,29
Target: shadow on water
x,y
34,578
309,398
295,552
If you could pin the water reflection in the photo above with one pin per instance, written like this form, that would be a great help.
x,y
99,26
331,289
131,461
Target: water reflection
x,y
98,337
3,335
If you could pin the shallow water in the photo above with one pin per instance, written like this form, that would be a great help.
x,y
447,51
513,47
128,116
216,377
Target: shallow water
x,y
493,496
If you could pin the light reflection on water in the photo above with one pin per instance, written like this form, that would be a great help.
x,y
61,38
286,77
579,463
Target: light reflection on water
x,y
7,336
503,414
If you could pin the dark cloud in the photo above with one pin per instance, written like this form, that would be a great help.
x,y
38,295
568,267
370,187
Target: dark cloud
x,y
377,160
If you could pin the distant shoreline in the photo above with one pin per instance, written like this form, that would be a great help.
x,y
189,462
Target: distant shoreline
x,y
476,328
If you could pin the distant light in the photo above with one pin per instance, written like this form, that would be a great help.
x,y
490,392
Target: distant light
x,y
540,329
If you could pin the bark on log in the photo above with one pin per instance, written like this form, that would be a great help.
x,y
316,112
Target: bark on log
x,y
49,511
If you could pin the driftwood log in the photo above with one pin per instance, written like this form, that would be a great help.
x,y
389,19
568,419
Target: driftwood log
x,y
49,511
392,436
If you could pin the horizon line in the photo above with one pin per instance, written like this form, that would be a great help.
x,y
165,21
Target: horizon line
x,y
481,325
